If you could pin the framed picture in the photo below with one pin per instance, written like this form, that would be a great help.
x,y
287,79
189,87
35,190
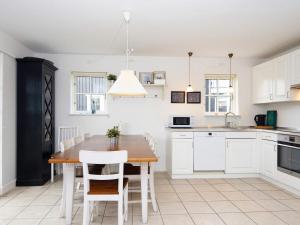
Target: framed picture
x,y
159,75
146,77
193,97
177,96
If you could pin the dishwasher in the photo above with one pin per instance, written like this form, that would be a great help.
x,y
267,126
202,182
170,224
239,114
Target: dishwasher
x,y
209,151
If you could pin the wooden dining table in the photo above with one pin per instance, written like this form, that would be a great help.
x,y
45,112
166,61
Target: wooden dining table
x,y
139,152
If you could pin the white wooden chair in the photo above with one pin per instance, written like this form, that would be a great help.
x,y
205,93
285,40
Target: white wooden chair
x,y
64,133
133,173
112,187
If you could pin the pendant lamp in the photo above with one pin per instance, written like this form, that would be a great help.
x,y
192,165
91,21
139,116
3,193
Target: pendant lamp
x,y
230,89
127,83
189,87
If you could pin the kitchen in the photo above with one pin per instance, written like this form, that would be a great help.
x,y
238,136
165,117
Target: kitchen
x,y
213,132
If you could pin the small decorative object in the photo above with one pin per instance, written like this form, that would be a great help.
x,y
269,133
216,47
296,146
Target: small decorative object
x,y
177,96
193,97
112,77
113,135
146,77
159,77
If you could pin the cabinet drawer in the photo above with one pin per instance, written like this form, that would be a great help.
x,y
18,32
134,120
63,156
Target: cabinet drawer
x,y
267,136
182,135
241,135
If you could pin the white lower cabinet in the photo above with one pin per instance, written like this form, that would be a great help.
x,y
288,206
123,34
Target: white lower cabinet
x,y
268,163
182,156
241,156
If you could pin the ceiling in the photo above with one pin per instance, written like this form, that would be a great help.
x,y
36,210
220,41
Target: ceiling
x,y
211,28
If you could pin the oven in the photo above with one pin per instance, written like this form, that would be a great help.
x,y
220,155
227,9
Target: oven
x,y
288,154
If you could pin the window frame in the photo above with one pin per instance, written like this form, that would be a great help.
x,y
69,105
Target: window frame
x,y
73,110
233,96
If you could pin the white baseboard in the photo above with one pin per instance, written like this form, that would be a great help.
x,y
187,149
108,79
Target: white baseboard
x,y
7,187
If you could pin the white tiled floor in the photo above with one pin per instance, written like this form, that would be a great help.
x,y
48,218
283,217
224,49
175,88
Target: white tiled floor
x,y
247,201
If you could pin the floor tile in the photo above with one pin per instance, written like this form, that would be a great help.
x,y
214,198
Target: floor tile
x,y
203,187
46,200
25,222
216,181
290,217
161,181
152,220
197,181
272,205
182,188
253,180
248,206
234,195
236,219
244,187
292,203
136,209
167,197
4,221
111,209
8,212
4,200
279,194
164,188
178,181
265,218
235,181
34,212
190,197
177,220
113,220
171,208
207,219
224,187
20,201
212,196
55,212
223,206
257,195
198,207
52,221
265,187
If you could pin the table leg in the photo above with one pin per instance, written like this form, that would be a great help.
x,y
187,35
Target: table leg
x,y
68,174
63,200
144,189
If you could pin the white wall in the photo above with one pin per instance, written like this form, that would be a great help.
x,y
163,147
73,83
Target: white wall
x,y
137,116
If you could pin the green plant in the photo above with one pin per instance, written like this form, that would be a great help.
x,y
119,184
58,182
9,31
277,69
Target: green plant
x,y
112,77
113,132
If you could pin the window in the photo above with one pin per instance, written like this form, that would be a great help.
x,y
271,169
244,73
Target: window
x,y
218,99
89,93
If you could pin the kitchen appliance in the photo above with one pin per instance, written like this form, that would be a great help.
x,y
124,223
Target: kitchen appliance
x,y
183,121
288,154
260,119
271,118
209,151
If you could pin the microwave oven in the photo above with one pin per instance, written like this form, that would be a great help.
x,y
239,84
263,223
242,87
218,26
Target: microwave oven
x,y
181,121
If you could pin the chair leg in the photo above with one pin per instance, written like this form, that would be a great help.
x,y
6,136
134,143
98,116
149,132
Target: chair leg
x,y
152,189
126,203
52,172
120,211
86,213
78,186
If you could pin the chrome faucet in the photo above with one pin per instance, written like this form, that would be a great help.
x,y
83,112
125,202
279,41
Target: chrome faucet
x,y
227,123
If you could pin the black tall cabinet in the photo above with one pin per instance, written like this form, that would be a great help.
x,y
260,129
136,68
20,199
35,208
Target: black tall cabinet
x,y
35,120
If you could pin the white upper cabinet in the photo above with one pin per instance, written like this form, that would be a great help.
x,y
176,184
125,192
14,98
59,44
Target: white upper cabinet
x,y
295,67
273,79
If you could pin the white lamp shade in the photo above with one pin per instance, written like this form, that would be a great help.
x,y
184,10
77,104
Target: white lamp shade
x,y
127,84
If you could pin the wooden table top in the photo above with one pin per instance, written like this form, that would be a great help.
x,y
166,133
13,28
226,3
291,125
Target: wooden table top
x,y
136,145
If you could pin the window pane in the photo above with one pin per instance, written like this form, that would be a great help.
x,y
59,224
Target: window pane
x,y
82,84
81,102
206,104
224,83
98,85
206,86
212,104
223,104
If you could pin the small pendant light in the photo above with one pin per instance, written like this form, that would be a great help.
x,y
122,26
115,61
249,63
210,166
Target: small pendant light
x,y
189,87
127,83
230,89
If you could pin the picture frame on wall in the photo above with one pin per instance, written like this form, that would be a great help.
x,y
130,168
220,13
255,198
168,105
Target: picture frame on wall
x,y
193,97
177,96
159,77
146,77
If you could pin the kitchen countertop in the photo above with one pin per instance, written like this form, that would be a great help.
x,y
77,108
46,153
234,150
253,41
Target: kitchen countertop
x,y
279,130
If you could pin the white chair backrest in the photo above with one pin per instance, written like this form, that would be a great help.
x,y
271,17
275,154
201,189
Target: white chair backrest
x,y
65,133
68,143
98,157
87,136
147,136
78,139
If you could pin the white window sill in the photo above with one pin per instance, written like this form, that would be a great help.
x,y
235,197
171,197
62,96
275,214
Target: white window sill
x,y
89,114
220,115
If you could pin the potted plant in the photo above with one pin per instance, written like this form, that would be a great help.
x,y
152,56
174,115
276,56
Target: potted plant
x,y
113,134
112,77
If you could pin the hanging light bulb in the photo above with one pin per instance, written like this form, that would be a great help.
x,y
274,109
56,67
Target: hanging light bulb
x,y
127,83
189,87
230,89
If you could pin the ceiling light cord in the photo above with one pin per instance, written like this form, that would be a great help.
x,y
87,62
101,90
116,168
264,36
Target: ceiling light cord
x,y
190,54
127,44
